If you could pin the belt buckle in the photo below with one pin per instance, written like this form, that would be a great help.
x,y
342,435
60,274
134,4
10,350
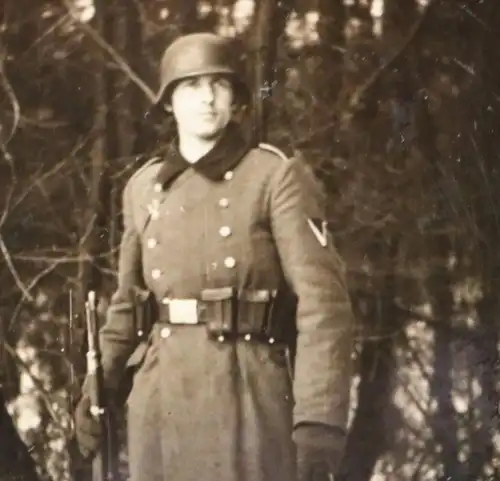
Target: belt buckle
x,y
183,311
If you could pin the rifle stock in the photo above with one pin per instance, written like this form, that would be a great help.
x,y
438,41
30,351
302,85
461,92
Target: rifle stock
x,y
104,464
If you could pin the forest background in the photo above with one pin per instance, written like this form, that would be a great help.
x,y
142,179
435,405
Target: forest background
x,y
395,104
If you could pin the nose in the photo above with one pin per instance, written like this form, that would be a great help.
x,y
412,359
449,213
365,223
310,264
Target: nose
x,y
207,91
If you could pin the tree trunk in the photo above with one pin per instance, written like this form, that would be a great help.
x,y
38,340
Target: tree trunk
x,y
369,437
483,122
444,420
94,244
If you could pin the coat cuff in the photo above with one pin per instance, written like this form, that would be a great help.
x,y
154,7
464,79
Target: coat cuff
x,y
321,436
321,444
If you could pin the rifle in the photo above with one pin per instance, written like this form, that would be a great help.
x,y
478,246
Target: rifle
x,y
68,350
104,464
270,20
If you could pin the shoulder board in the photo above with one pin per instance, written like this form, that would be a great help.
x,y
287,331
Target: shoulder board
x,y
144,166
274,150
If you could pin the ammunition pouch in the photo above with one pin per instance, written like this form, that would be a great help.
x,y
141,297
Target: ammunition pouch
x,y
144,316
247,315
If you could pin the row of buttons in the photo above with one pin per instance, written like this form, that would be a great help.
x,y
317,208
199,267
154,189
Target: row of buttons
x,y
224,231
229,262
227,176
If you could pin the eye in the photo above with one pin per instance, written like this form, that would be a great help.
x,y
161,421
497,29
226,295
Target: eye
x,y
192,82
221,81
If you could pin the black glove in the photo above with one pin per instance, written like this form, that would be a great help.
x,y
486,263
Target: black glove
x,y
319,451
87,429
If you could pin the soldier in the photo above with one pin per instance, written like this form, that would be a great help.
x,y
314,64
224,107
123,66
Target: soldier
x,y
234,249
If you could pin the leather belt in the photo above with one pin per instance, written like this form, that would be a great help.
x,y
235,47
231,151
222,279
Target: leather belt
x,y
227,314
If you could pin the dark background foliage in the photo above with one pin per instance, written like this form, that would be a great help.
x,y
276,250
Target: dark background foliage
x,y
393,103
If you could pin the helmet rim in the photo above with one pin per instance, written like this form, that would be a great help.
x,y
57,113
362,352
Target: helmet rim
x,y
195,55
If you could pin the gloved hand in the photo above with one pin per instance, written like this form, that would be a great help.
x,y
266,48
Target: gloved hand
x,y
87,429
319,451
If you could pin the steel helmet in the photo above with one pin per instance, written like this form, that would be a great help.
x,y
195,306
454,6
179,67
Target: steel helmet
x,y
200,54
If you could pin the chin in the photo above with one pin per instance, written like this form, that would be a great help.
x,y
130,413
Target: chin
x,y
210,132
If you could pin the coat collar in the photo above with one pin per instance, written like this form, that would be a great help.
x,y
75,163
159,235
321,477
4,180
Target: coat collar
x,y
227,154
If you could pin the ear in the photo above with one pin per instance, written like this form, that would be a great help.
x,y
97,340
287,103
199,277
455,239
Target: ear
x,y
238,112
238,109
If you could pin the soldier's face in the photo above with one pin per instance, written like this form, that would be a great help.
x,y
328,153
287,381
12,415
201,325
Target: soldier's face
x,y
202,106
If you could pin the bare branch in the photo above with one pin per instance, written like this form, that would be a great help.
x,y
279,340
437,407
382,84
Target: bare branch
x,y
89,230
38,123
361,91
115,56
52,28
60,260
38,178
13,270
30,286
9,90
358,95
4,82
8,200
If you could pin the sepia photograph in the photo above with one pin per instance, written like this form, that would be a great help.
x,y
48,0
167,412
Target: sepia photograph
x,y
249,240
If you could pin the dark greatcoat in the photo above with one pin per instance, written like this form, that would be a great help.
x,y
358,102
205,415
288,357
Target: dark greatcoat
x,y
203,410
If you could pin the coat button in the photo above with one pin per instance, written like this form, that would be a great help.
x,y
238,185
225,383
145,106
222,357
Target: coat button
x,y
224,202
165,332
225,231
156,274
228,175
155,215
229,262
157,187
248,337
152,242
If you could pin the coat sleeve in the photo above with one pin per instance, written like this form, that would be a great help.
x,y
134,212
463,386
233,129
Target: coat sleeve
x,y
315,272
118,335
